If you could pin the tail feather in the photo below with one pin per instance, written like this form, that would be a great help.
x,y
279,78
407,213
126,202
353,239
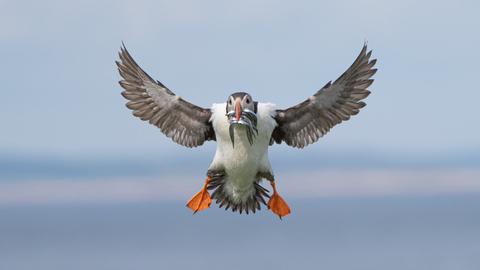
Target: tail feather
x,y
217,183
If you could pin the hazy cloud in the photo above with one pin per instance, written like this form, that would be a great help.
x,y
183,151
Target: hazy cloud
x,y
182,187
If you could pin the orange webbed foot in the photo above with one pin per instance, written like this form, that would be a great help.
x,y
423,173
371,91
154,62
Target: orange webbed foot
x,y
277,204
201,199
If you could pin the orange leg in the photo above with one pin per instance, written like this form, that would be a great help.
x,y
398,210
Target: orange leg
x,y
201,199
277,204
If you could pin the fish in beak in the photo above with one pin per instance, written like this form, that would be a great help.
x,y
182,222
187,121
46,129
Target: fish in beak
x,y
245,117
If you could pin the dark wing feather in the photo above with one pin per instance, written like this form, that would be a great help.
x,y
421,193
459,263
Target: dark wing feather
x,y
309,120
187,124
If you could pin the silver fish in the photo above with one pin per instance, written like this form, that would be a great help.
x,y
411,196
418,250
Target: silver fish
x,y
248,119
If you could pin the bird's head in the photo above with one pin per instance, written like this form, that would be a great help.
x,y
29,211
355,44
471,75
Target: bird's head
x,y
242,110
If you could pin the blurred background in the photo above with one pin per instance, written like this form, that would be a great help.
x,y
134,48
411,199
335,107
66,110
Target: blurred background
x,y
85,185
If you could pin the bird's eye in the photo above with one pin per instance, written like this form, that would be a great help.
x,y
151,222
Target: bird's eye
x,y
248,101
230,102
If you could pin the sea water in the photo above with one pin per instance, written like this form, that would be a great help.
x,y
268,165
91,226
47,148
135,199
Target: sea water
x,y
390,232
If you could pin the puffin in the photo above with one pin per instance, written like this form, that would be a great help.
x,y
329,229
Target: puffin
x,y
244,129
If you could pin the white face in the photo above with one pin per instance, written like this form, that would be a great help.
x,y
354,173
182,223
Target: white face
x,y
244,101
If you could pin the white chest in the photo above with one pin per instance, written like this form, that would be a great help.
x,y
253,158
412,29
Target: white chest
x,y
242,161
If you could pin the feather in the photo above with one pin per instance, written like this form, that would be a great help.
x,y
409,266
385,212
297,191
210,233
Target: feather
x,y
332,104
252,203
185,123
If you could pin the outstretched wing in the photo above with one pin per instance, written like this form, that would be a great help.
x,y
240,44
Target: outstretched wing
x,y
185,123
309,120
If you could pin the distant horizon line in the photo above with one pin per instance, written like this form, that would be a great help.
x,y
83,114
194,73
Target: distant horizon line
x,y
17,166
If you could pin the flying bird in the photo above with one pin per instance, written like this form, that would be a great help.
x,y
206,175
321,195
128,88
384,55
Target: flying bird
x,y
244,129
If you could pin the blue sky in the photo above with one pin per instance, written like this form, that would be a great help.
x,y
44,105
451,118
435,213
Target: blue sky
x,y
61,98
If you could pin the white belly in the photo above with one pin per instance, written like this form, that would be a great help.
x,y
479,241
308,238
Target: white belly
x,y
242,161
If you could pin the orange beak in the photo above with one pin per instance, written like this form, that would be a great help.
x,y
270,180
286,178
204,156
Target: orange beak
x,y
237,109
